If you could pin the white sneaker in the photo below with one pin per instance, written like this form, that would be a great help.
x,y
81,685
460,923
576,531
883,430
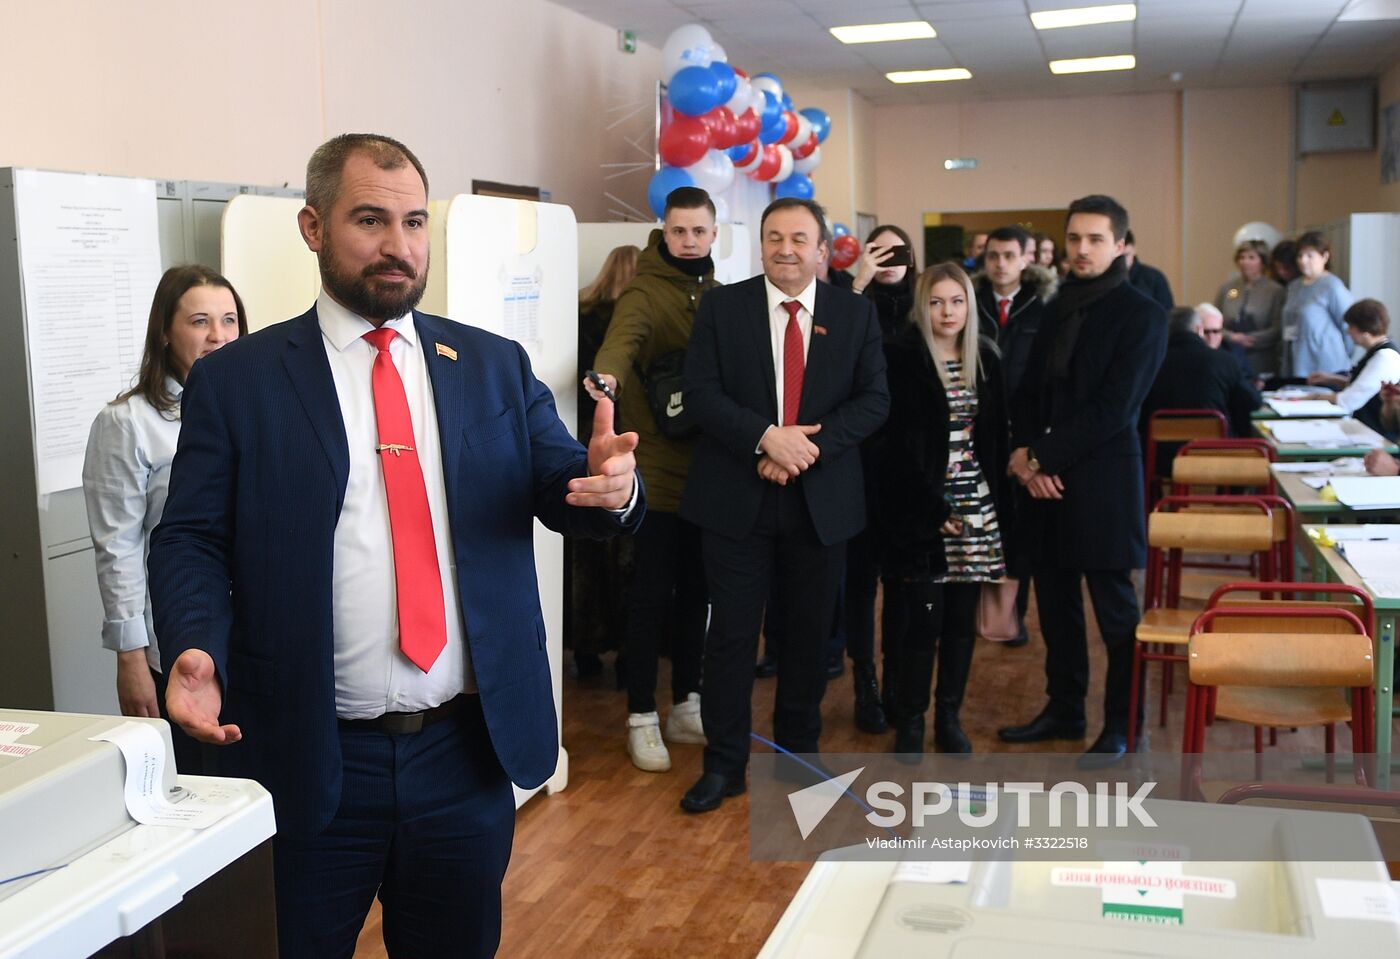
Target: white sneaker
x,y
644,745
683,725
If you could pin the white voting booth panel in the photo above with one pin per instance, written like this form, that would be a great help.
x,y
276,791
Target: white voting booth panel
x,y
507,266
732,251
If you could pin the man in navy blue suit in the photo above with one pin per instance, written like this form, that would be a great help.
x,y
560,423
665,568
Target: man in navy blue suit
x,y
344,578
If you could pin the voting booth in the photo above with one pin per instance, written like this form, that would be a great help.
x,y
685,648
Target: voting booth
x,y
506,266
105,851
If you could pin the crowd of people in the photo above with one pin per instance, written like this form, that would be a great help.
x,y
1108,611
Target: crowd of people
x,y
314,543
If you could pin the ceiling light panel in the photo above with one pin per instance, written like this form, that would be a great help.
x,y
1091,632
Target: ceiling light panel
x,y
885,32
1084,16
1094,64
928,76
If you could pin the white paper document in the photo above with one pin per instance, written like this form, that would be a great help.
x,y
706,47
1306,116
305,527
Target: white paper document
x,y
1372,531
1372,559
1311,432
144,752
1367,492
1291,408
89,264
1359,899
1342,465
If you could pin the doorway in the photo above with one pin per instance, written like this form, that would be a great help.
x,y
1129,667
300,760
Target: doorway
x,y
946,234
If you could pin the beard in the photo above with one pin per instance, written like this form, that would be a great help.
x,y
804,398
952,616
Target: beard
x,y
363,293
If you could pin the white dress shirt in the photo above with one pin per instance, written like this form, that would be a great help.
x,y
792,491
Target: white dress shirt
x,y
777,328
126,476
1382,367
372,676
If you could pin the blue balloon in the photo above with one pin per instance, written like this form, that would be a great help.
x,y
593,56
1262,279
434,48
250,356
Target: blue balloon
x,y
771,110
774,124
798,186
663,181
728,80
694,91
769,76
739,152
787,102
821,123
839,229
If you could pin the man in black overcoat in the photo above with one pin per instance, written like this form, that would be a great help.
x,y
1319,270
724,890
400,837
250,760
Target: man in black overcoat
x,y
1075,448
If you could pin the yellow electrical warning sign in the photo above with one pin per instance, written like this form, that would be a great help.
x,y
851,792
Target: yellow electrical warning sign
x,y
1336,119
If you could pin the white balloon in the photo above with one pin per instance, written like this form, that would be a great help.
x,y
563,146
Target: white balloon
x,y
721,171
804,130
687,46
785,166
770,84
721,209
717,54
753,164
808,163
743,96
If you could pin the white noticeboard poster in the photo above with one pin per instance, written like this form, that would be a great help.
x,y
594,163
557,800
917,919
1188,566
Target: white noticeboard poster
x,y
89,264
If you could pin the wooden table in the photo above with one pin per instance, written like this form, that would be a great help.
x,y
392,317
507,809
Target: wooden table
x,y
1332,567
1366,439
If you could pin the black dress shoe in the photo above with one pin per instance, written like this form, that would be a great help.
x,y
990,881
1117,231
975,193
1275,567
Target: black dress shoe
x,y
587,666
1044,727
870,713
949,737
1108,750
709,791
766,667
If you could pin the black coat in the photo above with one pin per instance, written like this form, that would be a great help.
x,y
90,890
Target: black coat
x,y
1153,282
731,391
1027,312
1193,377
913,469
1084,429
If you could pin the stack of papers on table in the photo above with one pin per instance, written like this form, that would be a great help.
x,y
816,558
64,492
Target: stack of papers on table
x,y
1366,531
1375,561
1368,492
1289,408
1317,475
1319,434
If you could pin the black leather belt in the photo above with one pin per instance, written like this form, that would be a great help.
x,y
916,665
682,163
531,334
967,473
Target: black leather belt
x,y
406,723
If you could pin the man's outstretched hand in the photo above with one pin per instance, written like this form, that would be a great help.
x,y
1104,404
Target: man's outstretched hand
x,y
194,698
611,465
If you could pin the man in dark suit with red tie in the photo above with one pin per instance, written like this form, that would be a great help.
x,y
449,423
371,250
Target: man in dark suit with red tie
x,y
344,578
784,376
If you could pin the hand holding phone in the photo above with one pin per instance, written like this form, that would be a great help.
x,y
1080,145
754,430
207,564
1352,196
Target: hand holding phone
x,y
601,385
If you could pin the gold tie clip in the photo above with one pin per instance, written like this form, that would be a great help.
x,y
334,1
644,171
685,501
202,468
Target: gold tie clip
x,y
393,448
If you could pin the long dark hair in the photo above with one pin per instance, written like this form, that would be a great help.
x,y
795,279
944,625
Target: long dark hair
x,y
911,274
155,361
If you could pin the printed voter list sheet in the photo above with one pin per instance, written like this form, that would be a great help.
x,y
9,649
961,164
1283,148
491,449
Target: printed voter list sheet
x,y
89,264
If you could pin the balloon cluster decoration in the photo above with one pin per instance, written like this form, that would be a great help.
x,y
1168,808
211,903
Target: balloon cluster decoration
x,y
845,248
717,122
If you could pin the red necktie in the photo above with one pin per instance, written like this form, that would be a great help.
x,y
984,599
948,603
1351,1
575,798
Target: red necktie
x,y
417,579
793,364
1003,308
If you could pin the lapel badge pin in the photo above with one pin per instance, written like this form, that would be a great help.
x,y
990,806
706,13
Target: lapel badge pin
x,y
819,330
446,351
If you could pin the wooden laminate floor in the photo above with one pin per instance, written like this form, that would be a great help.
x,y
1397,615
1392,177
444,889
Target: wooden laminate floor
x,y
612,867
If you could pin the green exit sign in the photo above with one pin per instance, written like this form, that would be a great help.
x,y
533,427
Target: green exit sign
x,y
627,41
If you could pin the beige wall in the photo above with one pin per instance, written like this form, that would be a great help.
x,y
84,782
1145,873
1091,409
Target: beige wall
x,y
514,92
1036,154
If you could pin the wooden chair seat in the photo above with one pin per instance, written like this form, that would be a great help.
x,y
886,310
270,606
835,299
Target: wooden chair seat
x,y
1169,626
1221,471
1281,706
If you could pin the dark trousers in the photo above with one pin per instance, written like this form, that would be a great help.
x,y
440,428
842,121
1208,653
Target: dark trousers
x,y
862,579
923,622
189,752
1061,606
782,547
668,590
426,822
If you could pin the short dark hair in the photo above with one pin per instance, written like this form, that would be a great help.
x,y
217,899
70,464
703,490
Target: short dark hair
x,y
1183,319
327,163
1020,235
1368,316
1313,240
688,198
1285,252
1129,239
811,206
1104,206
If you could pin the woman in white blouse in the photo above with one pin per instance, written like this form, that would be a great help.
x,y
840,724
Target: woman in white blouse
x,y
1360,393
126,473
